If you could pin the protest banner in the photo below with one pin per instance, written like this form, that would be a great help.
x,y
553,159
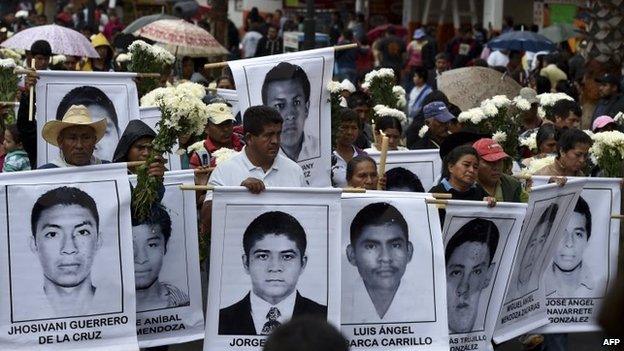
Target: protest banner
x,y
393,285
524,308
67,281
107,95
584,264
294,84
479,245
273,256
166,267
424,164
151,116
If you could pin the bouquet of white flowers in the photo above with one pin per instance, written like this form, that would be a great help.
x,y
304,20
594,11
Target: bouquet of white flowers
x,y
8,85
183,113
382,110
146,58
548,100
530,142
380,85
539,163
335,98
608,152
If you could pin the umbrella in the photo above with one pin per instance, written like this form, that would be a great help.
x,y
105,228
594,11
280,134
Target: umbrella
x,y
144,21
467,87
559,32
378,31
522,41
182,38
62,40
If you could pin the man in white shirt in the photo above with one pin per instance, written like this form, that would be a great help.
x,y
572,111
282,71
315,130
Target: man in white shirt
x,y
259,164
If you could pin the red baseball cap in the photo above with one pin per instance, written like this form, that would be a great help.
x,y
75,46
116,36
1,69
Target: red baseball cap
x,y
489,150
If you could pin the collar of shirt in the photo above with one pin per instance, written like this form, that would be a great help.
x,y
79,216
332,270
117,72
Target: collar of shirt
x,y
447,185
250,166
260,309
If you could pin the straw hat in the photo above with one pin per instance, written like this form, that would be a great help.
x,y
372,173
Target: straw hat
x,y
77,115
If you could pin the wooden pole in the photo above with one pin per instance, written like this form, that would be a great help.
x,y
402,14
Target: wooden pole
x,y
9,103
442,196
196,187
382,159
32,95
225,63
523,176
617,216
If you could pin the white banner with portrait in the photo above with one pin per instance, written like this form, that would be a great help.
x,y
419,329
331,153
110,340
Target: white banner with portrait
x,y
585,262
231,97
166,268
273,256
423,165
151,116
66,277
524,306
295,85
479,243
107,95
393,286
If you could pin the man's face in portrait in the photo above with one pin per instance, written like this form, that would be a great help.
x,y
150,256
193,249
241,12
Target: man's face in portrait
x,y
533,251
148,242
468,272
381,254
106,146
274,265
571,248
288,97
66,241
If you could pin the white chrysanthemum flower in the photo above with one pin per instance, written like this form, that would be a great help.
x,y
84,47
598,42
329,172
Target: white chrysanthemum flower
x,y
194,89
522,103
7,63
365,86
334,87
138,45
121,58
348,86
541,113
619,117
195,147
500,101
464,116
383,110
152,98
539,163
380,73
10,54
549,99
398,91
58,59
476,115
343,102
489,109
530,141
223,154
499,137
423,131
401,102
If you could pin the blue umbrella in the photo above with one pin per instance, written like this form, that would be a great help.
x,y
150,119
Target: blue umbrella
x,y
522,41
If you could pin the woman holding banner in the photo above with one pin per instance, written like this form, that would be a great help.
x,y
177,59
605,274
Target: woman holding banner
x,y
572,154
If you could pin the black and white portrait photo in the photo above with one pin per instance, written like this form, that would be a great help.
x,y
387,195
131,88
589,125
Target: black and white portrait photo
x,y
295,85
274,256
424,165
470,269
108,96
401,179
71,261
286,88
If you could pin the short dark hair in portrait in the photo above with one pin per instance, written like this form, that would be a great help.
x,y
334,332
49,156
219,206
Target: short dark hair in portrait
x,y
549,215
278,223
568,139
306,333
286,71
378,213
582,208
402,178
256,117
65,196
477,230
352,164
158,216
87,95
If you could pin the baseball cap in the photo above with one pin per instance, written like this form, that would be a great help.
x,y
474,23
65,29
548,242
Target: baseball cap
x,y
489,150
602,122
529,94
419,34
438,111
219,112
608,78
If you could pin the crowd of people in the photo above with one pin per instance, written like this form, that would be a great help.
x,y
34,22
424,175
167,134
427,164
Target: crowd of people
x,y
475,167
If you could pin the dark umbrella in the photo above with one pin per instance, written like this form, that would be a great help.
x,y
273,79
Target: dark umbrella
x,y
144,21
378,31
522,41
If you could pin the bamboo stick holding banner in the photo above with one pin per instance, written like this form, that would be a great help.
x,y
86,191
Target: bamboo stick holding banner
x,y
9,103
382,158
522,176
225,63
211,187
34,72
617,216
32,93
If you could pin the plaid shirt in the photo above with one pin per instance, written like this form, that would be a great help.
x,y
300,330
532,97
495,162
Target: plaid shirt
x,y
15,161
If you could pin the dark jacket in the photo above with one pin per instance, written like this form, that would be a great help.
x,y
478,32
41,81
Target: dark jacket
x,y
609,107
237,319
476,193
27,129
135,130
512,189
422,143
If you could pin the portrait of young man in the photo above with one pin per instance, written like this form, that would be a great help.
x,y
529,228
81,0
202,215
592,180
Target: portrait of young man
x,y
469,256
66,237
150,238
274,257
380,249
528,275
286,88
568,276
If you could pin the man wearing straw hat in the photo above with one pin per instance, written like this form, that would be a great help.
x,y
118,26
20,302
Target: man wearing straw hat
x,y
75,136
